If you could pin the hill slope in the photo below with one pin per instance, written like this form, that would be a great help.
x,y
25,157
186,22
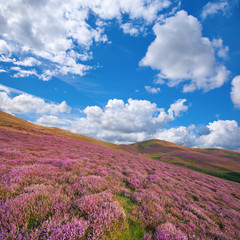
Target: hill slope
x,y
12,123
221,163
216,162
56,187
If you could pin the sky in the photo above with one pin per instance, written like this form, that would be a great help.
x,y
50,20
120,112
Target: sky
x,y
125,71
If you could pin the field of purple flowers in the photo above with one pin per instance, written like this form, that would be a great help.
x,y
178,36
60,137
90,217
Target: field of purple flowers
x,y
54,187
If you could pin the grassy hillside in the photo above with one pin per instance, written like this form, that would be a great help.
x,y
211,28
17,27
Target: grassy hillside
x,y
220,163
216,162
57,187
12,123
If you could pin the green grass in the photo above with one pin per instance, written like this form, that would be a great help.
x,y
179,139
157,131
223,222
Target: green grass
x,y
132,230
232,176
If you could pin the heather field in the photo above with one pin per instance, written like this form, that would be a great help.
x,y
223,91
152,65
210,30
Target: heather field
x,y
217,162
54,187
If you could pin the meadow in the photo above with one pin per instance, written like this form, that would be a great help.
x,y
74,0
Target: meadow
x,y
216,162
55,187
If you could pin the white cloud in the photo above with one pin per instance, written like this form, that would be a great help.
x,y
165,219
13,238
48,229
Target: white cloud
x,y
25,103
212,8
217,134
182,55
6,52
51,121
5,48
23,73
58,33
129,29
119,122
133,121
47,75
152,90
4,89
109,9
222,51
177,108
28,62
235,91
221,134
183,136
7,59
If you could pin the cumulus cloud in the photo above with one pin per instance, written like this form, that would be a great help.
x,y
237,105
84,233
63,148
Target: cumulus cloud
x,y
212,8
221,134
235,92
128,28
108,9
51,121
152,90
222,51
120,122
25,103
182,55
139,120
58,33
184,136
224,134
177,108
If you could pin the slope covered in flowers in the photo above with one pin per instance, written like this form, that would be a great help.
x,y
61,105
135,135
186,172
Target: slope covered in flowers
x,y
216,162
53,187
13,123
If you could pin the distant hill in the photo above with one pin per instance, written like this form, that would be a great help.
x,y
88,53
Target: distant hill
x,y
217,162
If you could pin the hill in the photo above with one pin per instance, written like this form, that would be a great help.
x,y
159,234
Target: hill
x,y
57,187
13,123
216,162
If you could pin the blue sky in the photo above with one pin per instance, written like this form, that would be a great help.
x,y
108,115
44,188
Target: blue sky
x,y
125,71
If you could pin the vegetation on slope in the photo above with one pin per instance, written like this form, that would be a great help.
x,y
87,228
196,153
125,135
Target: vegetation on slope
x,y
53,187
216,162
12,123
220,163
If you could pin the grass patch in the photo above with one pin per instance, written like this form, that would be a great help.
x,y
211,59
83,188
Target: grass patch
x,y
223,151
33,221
132,230
232,176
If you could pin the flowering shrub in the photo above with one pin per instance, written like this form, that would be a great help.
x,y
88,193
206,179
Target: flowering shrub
x,y
54,187
168,231
102,212
66,229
